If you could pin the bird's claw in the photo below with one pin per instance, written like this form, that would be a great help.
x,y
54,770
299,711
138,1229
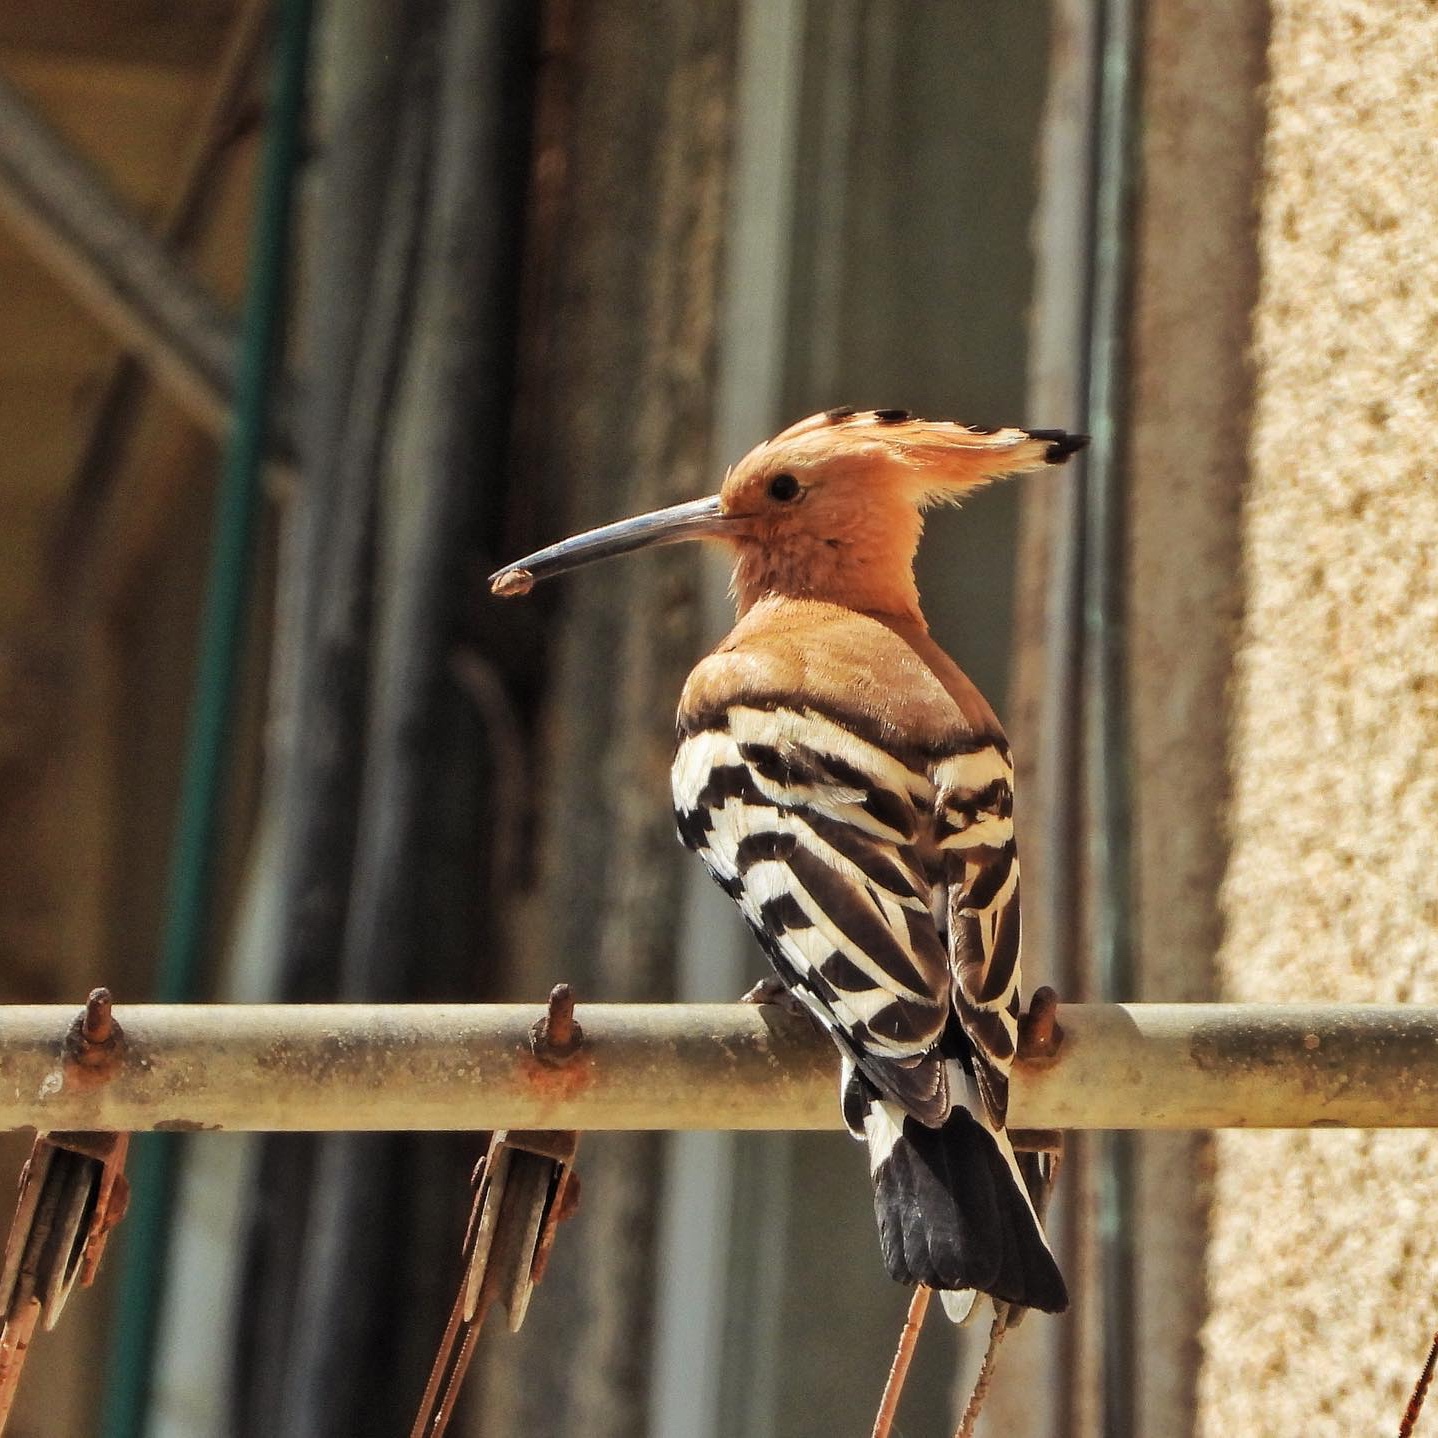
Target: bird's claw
x,y
773,990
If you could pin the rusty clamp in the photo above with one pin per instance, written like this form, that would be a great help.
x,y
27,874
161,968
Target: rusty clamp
x,y
72,1193
525,1186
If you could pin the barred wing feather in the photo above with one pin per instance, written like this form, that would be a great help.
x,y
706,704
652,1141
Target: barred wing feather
x,y
975,834
815,833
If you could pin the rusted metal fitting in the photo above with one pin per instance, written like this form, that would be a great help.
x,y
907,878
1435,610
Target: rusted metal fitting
x,y
72,1193
525,1187
97,1025
556,1038
112,1190
563,1206
1037,1140
96,1042
559,1147
1039,1031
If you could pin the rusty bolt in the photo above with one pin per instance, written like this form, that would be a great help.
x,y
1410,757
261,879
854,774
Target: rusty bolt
x,y
1039,1031
96,1042
556,1037
99,1022
559,1021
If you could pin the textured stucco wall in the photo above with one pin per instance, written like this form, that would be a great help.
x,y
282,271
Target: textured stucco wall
x,y
1324,1250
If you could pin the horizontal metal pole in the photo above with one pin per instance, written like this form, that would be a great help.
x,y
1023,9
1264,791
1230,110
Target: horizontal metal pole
x,y
691,1066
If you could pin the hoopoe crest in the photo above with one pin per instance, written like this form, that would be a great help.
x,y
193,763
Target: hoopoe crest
x,y
851,790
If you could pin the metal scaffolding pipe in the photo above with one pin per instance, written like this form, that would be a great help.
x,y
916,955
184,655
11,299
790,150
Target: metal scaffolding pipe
x,y
129,281
300,1067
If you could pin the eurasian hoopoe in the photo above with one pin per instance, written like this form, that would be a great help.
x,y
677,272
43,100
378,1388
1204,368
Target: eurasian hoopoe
x,y
852,791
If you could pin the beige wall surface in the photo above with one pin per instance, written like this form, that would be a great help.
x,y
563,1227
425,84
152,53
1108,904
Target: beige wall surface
x,y
1194,287
1321,1268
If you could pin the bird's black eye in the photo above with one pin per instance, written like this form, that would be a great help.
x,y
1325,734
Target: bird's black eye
x,y
784,487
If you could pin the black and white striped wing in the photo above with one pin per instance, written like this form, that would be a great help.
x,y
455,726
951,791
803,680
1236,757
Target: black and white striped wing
x,y
975,834
813,831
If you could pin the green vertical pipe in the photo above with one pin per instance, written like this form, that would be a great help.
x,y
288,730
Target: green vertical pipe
x,y
144,1233
1107,758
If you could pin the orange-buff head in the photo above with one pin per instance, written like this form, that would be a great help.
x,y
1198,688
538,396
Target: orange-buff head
x,y
832,508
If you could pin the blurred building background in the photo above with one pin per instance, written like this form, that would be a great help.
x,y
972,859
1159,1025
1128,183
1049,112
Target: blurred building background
x,y
552,264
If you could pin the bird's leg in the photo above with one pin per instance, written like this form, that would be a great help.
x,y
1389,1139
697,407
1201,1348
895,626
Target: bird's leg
x,y
773,990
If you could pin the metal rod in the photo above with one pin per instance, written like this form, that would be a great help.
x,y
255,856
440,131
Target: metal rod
x,y
117,411
128,280
1107,800
294,1067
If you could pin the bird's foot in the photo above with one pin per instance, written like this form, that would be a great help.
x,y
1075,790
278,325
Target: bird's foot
x,y
773,990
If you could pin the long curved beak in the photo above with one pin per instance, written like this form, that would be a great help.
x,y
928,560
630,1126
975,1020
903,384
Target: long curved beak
x,y
696,519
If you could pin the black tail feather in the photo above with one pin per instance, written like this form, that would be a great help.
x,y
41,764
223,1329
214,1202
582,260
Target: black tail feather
x,y
952,1216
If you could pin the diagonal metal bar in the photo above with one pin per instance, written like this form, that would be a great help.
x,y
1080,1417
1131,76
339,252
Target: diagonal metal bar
x,y
74,224
297,1067
119,405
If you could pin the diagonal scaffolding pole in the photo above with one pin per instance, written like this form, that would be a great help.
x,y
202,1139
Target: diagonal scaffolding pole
x,y
130,282
296,1067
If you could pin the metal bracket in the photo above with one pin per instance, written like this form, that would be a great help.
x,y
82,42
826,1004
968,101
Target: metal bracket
x,y
524,1188
72,1193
